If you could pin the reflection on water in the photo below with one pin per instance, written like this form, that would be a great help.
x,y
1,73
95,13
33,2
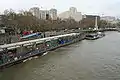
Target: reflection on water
x,y
86,60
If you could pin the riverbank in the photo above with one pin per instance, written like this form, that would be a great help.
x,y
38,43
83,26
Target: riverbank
x,y
12,38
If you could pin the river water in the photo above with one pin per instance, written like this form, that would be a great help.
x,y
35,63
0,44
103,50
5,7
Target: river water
x,y
85,60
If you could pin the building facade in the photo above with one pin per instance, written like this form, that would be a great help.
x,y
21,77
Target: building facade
x,y
35,11
72,13
44,14
92,17
90,21
110,19
53,14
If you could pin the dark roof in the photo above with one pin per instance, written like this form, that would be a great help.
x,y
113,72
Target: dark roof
x,y
92,16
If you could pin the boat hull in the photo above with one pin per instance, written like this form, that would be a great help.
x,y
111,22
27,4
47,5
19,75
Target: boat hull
x,y
94,37
87,38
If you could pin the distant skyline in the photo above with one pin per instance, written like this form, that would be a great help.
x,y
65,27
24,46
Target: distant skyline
x,y
97,7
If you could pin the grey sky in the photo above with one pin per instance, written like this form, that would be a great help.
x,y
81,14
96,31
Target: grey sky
x,y
107,7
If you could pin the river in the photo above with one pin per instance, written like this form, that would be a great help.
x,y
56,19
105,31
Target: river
x,y
85,60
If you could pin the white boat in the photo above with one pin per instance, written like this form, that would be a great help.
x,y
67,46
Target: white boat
x,y
100,34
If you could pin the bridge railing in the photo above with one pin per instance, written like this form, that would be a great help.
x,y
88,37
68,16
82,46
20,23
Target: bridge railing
x,y
32,42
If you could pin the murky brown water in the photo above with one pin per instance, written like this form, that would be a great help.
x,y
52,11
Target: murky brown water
x,y
86,60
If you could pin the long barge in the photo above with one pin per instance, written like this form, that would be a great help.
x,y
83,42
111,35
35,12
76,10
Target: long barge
x,y
11,54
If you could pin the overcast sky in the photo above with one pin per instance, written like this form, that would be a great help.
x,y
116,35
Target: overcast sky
x,y
106,7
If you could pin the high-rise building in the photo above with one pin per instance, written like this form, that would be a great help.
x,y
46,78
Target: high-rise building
x,y
73,10
44,14
72,13
53,14
35,11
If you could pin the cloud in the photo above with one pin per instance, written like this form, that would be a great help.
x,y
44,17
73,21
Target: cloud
x,y
112,9
108,7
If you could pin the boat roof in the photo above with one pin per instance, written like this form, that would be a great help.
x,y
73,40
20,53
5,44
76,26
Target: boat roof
x,y
30,42
30,35
92,34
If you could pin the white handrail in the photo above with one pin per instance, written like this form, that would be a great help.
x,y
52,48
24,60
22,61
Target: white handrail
x,y
30,42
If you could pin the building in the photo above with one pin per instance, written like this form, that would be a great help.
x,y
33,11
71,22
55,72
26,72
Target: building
x,y
90,21
35,11
92,17
72,13
48,14
73,10
44,14
3,19
108,18
53,14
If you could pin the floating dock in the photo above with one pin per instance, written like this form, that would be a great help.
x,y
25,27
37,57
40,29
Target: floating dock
x,y
14,53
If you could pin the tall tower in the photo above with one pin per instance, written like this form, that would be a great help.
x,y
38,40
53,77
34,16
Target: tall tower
x,y
96,25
